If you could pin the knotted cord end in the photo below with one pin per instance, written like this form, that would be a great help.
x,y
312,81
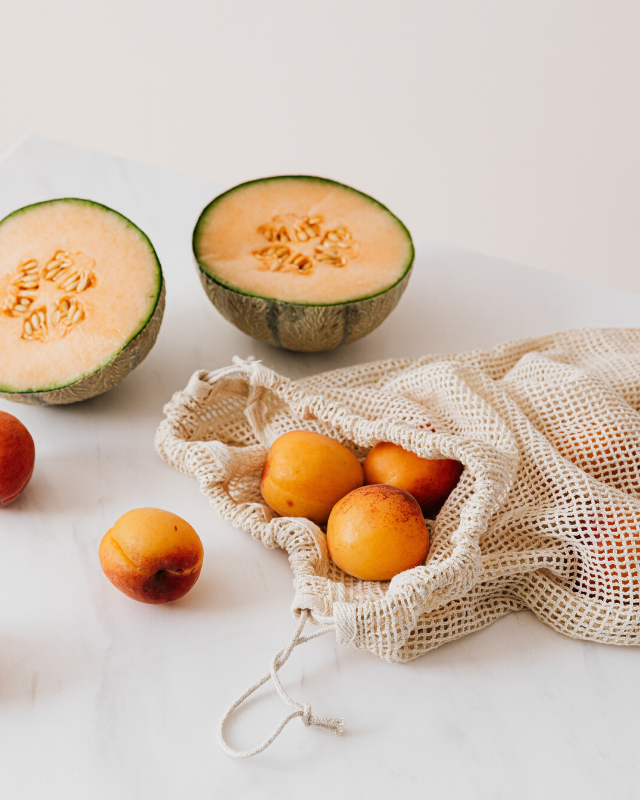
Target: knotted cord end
x,y
335,724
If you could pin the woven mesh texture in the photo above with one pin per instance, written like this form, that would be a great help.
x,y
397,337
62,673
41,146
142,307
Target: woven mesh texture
x,y
546,515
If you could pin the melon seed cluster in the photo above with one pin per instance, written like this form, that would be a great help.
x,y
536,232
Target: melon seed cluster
x,y
334,247
46,313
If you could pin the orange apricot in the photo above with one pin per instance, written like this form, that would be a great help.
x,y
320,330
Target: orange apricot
x,y
17,457
306,473
429,480
601,449
613,538
151,555
377,531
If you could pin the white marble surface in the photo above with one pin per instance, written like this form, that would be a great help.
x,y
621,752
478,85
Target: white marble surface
x,y
102,697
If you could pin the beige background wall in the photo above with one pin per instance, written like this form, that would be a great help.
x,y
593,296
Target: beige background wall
x,y
504,126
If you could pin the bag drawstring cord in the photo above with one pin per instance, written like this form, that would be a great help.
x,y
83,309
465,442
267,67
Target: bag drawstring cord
x,y
303,710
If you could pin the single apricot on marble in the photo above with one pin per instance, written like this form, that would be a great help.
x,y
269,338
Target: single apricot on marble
x,y
17,457
306,473
376,532
429,480
151,555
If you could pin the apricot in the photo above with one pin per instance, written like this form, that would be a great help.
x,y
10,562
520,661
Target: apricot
x,y
151,555
429,480
602,450
17,457
614,538
375,532
306,473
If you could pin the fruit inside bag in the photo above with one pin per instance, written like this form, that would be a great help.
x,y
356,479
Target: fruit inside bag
x,y
546,515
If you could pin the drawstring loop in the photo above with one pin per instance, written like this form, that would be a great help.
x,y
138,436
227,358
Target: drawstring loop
x,y
302,710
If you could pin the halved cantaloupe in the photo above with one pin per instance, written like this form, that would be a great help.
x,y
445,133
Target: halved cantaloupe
x,y
301,262
81,301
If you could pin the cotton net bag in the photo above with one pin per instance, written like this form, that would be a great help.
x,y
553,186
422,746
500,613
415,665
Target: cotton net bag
x,y
546,515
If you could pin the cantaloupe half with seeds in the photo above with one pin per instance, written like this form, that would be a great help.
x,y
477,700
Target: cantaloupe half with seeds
x,y
81,301
301,262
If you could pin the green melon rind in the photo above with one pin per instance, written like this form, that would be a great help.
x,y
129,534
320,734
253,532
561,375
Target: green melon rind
x,y
111,372
303,327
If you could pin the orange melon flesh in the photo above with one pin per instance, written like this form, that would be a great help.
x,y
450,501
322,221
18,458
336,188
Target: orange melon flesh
x,y
230,237
123,284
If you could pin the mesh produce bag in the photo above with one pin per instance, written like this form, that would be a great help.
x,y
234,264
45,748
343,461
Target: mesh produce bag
x,y
546,515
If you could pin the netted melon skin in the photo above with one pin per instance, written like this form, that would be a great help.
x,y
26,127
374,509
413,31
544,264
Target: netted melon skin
x,y
106,377
303,328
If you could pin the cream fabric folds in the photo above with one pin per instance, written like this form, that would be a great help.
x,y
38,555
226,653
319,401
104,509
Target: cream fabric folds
x,y
546,515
